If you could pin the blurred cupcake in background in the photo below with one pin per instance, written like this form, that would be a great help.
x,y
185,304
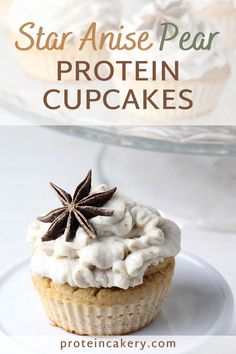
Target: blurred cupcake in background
x,y
223,14
60,16
4,9
204,72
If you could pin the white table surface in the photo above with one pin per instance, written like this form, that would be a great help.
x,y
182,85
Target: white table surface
x,y
32,156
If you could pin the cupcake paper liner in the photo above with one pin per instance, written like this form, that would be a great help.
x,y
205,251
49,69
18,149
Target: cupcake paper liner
x,y
121,312
206,93
94,320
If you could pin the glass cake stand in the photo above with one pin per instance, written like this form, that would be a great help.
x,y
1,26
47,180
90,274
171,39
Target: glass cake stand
x,y
190,177
186,171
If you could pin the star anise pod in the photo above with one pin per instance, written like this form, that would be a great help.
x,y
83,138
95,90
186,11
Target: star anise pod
x,y
76,211
172,12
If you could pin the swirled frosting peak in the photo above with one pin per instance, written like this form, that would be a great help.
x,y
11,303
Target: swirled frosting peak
x,y
127,243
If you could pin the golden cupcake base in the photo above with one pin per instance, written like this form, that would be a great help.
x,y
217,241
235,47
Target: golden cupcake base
x,y
104,311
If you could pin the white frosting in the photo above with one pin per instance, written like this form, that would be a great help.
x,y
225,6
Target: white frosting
x,y
63,15
202,4
127,243
193,64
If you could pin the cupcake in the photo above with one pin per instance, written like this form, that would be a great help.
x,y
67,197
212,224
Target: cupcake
x,y
223,14
205,73
102,264
60,16
4,8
